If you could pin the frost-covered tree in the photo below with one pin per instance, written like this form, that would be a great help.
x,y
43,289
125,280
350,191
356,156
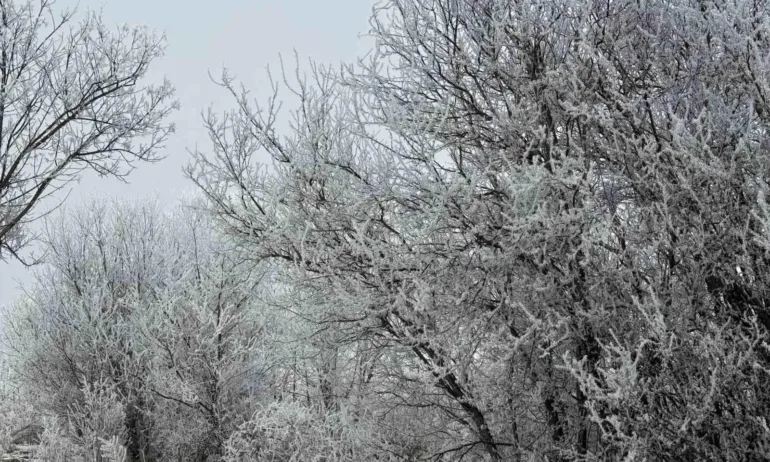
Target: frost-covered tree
x,y
73,336
549,216
72,98
139,332
205,337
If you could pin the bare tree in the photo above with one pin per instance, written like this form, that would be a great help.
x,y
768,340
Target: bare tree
x,y
555,211
71,99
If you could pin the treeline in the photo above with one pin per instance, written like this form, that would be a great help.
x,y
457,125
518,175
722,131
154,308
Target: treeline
x,y
514,231
144,328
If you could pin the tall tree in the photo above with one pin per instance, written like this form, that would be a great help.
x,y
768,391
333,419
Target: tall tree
x,y
72,340
554,213
72,98
205,335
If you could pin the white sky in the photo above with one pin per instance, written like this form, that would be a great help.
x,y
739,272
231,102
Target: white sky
x,y
243,35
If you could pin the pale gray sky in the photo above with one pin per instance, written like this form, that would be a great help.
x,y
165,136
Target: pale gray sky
x,y
243,35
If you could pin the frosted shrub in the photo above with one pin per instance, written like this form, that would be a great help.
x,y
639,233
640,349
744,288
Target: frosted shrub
x,y
284,432
57,445
98,419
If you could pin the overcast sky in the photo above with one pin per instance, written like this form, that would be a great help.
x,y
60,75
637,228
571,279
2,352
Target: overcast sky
x,y
243,35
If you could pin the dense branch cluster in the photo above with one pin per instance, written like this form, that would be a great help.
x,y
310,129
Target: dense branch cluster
x,y
71,99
